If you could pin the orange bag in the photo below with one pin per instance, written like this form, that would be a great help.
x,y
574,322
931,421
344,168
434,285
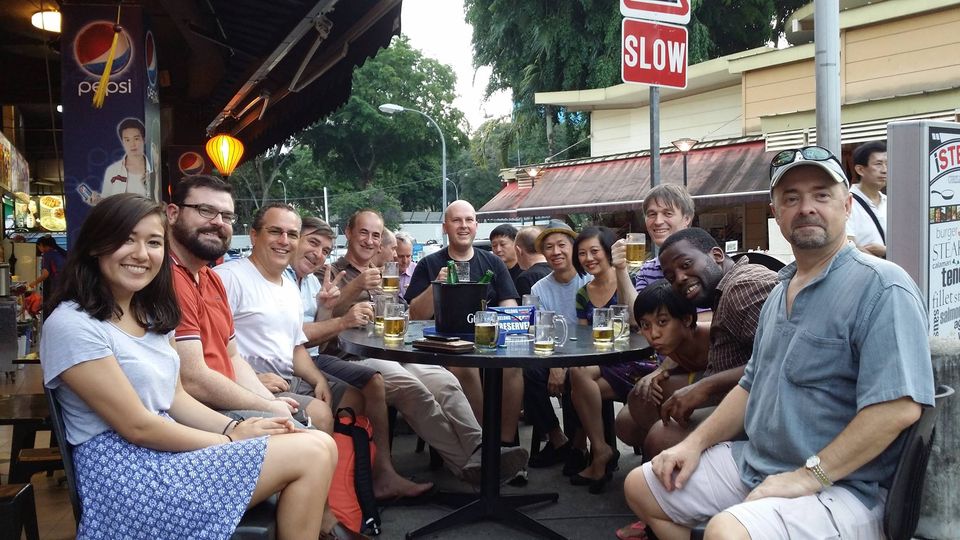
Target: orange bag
x,y
351,491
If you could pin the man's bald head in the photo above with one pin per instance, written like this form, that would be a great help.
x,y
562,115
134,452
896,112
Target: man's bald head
x,y
460,224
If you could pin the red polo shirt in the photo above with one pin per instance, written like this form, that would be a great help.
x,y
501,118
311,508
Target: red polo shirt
x,y
205,315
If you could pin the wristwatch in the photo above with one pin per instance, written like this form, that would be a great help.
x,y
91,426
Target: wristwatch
x,y
813,465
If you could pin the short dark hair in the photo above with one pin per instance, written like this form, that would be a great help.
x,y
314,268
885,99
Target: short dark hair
x,y
353,217
861,154
107,227
605,235
262,211
183,187
527,238
697,237
318,226
131,123
661,293
505,229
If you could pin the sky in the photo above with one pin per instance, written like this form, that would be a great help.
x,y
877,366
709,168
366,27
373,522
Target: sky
x,y
438,29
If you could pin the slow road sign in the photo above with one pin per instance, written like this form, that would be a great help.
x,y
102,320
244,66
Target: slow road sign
x,y
654,54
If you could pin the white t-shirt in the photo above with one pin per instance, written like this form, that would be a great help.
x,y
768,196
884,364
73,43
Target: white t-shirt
x,y
860,225
72,337
131,183
267,318
560,297
309,288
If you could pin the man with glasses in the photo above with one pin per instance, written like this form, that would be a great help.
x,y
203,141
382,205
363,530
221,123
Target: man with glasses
x,y
211,368
837,373
269,316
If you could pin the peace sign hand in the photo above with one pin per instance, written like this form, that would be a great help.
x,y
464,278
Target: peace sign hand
x,y
329,294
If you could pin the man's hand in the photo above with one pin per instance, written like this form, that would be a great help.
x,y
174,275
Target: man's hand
x,y
322,392
649,389
358,315
674,465
369,279
555,381
282,407
877,250
619,254
273,382
442,275
683,402
329,294
793,484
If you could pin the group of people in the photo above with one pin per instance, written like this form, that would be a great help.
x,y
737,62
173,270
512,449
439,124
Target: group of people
x,y
773,408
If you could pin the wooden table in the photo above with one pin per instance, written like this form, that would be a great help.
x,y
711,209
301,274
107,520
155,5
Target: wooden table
x,y
490,504
27,413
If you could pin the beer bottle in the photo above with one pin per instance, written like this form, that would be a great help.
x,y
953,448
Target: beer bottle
x,y
452,273
487,277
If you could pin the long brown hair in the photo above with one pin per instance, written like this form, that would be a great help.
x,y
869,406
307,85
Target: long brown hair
x,y
107,227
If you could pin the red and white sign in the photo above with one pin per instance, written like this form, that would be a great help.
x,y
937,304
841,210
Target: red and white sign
x,y
670,11
654,54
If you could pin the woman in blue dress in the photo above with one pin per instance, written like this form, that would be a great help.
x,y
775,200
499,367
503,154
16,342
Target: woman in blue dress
x,y
590,385
151,461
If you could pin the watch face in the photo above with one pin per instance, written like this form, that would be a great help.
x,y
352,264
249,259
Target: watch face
x,y
813,461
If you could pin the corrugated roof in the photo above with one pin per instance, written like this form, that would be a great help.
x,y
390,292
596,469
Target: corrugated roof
x,y
504,203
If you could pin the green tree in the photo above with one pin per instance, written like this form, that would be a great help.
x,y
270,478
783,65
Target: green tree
x,y
386,161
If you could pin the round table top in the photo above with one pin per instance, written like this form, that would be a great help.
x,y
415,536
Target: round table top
x,y
579,350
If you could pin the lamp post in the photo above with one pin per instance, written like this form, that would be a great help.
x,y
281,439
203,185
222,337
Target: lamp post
x,y
684,146
284,190
390,108
455,187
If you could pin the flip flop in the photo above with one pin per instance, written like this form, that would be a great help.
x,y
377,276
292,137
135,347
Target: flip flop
x,y
402,500
635,531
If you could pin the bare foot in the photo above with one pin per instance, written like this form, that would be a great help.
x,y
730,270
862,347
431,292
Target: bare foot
x,y
394,486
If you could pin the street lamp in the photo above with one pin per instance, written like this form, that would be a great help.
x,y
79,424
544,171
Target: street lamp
x,y
684,145
390,108
454,184
284,190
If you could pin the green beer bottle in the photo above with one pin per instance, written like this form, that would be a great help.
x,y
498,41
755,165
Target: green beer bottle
x,y
487,277
452,273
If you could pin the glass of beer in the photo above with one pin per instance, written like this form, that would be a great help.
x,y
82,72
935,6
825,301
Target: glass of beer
x,y
394,321
636,248
390,277
621,322
550,332
603,326
463,271
485,332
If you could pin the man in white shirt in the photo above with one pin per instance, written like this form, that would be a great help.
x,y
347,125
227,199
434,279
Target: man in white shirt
x,y
868,227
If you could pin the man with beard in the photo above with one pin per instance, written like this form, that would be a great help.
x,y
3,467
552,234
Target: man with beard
x,y
211,368
701,272
840,368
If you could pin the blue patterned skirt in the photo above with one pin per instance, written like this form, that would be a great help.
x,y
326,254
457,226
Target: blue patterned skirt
x,y
127,491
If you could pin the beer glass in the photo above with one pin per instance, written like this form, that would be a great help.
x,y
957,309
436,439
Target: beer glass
x,y
463,271
549,332
394,321
379,306
636,248
485,332
621,322
390,277
603,326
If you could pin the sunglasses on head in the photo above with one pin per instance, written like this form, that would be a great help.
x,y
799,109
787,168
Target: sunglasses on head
x,y
807,153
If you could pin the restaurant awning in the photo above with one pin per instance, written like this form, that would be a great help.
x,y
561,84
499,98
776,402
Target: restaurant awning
x,y
718,173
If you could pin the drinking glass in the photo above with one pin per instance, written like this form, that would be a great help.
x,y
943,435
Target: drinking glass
x,y
603,326
379,306
463,271
485,332
549,332
390,277
621,322
636,248
394,321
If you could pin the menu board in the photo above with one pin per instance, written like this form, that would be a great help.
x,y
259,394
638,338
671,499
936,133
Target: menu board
x,y
40,213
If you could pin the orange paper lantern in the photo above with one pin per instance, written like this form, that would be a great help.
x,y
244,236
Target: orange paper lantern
x,y
225,152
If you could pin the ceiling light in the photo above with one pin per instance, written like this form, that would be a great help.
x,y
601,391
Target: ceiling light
x,y
46,20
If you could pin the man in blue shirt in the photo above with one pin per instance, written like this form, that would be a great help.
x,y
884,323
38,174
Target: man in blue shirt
x,y
840,368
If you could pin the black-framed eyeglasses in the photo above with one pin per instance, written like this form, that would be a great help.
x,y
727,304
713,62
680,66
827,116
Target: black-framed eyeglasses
x,y
807,153
209,212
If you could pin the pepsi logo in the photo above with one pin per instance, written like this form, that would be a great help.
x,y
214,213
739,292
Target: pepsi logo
x,y
150,58
191,163
91,48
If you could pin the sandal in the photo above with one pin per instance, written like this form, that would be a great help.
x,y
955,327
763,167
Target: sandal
x,y
635,531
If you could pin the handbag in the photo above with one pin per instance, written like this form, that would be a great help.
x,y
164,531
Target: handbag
x,y
351,495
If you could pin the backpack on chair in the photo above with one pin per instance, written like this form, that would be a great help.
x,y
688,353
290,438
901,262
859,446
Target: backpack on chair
x,y
351,491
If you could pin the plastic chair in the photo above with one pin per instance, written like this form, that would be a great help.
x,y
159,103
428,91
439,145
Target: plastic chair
x,y
258,523
18,512
902,509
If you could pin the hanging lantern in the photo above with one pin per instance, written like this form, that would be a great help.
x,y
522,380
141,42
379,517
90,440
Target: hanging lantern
x,y
225,152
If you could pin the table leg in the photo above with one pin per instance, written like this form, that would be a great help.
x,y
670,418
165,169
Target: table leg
x,y
491,505
24,436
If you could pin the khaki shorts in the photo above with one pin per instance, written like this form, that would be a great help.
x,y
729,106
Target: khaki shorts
x,y
716,487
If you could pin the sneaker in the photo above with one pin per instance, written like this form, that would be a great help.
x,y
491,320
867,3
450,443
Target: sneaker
x,y
512,460
577,460
550,456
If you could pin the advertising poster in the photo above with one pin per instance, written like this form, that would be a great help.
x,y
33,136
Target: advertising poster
x,y
943,263
116,148
183,161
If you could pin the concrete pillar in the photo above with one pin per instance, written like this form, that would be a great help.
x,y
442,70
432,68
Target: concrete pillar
x,y
940,509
